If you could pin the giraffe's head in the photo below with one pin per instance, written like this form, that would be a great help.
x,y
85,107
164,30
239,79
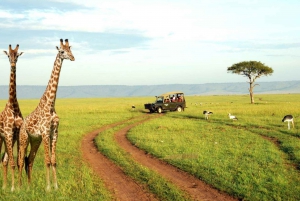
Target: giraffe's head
x,y
13,55
65,50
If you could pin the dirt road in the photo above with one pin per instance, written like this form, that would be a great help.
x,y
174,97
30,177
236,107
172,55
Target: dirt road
x,y
125,188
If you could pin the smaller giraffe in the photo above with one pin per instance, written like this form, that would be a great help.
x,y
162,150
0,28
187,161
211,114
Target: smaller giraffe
x,y
10,119
42,124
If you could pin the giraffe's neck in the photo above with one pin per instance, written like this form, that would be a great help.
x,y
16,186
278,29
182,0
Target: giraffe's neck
x,y
13,91
48,99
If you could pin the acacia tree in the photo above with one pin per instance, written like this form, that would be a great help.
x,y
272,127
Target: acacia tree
x,y
252,70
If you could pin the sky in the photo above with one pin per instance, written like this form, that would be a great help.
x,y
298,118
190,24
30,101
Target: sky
x,y
142,42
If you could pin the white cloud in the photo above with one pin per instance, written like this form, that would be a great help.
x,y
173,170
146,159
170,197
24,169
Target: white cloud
x,y
181,20
193,39
9,15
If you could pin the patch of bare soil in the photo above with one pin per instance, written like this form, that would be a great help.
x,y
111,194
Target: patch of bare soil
x,y
125,188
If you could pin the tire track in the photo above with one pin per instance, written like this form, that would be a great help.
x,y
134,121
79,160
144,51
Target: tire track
x,y
197,189
122,186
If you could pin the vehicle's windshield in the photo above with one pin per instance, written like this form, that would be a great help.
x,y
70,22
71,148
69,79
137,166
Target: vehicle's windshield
x,y
159,99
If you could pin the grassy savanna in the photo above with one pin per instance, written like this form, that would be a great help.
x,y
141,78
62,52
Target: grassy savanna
x,y
75,180
255,158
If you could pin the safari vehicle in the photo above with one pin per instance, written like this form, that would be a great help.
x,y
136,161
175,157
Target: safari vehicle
x,y
171,101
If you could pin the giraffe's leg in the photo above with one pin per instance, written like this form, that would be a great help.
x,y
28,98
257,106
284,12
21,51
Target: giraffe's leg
x,y
46,142
53,150
9,147
4,164
288,125
23,143
16,139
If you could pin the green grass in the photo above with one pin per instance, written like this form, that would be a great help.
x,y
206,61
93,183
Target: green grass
x,y
254,158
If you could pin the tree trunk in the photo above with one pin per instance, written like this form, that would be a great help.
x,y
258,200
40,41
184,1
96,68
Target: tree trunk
x,y
251,92
252,97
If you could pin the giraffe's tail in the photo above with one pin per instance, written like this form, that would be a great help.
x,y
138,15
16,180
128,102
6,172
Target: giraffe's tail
x,y
26,160
1,150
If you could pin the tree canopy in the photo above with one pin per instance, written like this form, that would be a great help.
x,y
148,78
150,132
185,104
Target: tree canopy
x,y
252,70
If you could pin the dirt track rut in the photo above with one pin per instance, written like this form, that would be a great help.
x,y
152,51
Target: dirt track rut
x,y
125,188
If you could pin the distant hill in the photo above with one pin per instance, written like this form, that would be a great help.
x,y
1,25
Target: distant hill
x,y
95,91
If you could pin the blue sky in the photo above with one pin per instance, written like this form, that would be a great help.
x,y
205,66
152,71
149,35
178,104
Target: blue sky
x,y
138,42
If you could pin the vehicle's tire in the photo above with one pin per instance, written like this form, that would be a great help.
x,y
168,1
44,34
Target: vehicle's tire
x,y
151,111
159,110
179,109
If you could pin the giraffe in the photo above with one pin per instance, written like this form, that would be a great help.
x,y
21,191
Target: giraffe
x,y
42,124
10,119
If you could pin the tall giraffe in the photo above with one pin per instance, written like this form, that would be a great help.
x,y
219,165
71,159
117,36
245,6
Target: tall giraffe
x,y
42,124
10,119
